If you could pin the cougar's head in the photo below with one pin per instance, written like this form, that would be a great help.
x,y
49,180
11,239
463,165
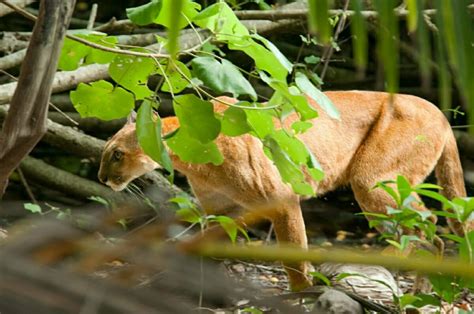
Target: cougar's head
x,y
123,159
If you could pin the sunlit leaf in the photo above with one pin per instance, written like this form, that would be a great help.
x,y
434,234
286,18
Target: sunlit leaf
x,y
101,100
189,149
270,46
132,73
163,12
234,122
174,72
196,118
319,97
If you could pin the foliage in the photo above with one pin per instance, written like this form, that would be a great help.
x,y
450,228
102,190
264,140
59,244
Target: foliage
x,y
189,212
405,218
199,125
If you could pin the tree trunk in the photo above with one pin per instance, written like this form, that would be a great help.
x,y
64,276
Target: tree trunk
x,y
25,123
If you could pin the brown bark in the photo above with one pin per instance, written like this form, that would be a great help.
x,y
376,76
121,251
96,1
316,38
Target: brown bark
x,y
26,122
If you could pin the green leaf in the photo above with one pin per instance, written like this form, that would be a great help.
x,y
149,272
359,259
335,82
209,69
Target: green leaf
x,y
196,117
301,126
321,277
132,73
394,243
148,126
276,52
408,300
33,208
295,149
289,171
175,78
189,149
305,85
222,77
406,239
71,55
221,20
101,100
312,59
293,95
263,58
466,248
161,12
188,214
74,53
234,122
261,122
229,225
404,188
426,299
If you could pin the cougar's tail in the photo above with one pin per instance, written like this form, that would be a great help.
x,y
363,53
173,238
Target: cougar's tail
x,y
450,177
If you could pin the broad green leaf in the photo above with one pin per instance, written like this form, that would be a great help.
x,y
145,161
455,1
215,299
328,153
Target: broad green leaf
x,y
264,58
197,118
281,57
74,54
132,73
305,85
229,225
301,126
101,100
234,122
221,20
148,126
33,208
387,41
318,19
161,12
174,11
293,95
289,171
408,300
189,149
71,55
222,77
445,286
97,55
175,78
426,299
261,122
293,147
188,214
359,35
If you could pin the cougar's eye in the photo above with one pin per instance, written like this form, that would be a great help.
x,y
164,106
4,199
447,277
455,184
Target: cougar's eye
x,y
117,155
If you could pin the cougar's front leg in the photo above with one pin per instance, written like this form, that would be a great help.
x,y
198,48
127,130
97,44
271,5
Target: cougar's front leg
x,y
290,229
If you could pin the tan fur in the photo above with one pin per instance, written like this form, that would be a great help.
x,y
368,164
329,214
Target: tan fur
x,y
375,140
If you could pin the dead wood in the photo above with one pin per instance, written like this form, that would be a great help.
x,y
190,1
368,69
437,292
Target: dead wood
x,y
4,10
26,122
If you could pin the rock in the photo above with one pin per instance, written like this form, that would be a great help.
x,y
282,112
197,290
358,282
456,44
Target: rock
x,y
336,302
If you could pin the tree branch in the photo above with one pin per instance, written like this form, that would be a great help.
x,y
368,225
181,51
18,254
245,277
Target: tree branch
x,y
26,122
4,10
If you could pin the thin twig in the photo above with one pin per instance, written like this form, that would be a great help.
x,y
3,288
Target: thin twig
x,y
26,185
92,16
330,50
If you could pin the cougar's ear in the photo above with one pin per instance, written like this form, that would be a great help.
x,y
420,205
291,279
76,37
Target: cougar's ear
x,y
132,117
